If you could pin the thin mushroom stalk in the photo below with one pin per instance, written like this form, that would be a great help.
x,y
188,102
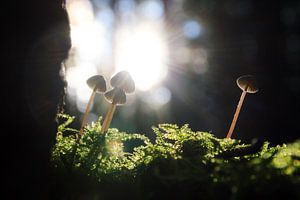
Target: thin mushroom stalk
x,y
116,97
236,114
247,84
86,113
122,84
108,118
98,84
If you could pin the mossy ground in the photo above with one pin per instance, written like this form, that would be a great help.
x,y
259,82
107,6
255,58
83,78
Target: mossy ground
x,y
179,164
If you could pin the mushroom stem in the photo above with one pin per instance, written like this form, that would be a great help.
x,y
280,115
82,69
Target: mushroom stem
x,y
108,118
236,114
86,113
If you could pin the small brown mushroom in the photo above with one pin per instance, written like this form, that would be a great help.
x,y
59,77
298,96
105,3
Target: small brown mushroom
x,y
123,80
98,84
122,83
247,84
116,97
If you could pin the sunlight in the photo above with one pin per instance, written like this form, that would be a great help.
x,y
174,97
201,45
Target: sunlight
x,y
80,12
142,52
90,41
100,46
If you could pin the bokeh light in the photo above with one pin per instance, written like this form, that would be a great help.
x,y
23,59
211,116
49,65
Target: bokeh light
x,y
89,40
106,16
158,97
136,36
192,29
142,52
75,76
80,12
152,9
125,7
115,148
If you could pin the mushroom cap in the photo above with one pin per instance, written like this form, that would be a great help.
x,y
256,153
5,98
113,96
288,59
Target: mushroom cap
x,y
116,96
97,83
247,83
124,81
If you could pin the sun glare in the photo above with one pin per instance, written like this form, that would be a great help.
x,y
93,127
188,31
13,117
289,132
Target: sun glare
x,y
138,48
142,52
104,44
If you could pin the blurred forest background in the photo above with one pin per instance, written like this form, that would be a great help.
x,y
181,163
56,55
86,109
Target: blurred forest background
x,y
185,57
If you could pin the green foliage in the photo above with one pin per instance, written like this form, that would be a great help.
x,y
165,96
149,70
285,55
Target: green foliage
x,y
179,162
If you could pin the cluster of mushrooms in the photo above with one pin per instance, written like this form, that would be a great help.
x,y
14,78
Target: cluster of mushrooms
x,y
122,84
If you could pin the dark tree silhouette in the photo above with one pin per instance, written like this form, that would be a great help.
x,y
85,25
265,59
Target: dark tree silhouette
x,y
38,42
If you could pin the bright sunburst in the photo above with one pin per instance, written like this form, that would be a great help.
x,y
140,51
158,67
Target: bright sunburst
x,y
141,51
137,47
127,35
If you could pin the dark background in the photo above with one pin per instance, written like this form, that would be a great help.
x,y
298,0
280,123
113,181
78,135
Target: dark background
x,y
37,41
242,37
246,37
249,37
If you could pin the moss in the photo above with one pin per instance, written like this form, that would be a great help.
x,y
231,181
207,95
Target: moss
x,y
180,163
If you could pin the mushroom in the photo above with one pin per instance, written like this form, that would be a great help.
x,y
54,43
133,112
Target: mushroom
x,y
98,84
123,80
247,84
122,84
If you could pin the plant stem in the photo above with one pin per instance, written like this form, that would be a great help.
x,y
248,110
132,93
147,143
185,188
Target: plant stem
x,y
108,118
86,113
236,114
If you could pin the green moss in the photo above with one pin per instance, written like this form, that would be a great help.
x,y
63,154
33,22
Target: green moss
x,y
179,162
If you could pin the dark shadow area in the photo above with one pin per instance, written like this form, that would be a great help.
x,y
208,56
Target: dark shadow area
x,y
38,42
246,37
